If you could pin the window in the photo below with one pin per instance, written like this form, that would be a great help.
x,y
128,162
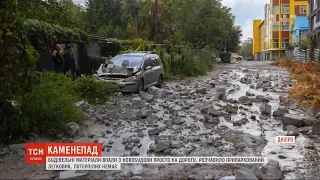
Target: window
x,y
275,9
153,62
147,63
303,9
314,21
276,27
285,26
134,61
315,4
285,43
285,9
276,43
158,61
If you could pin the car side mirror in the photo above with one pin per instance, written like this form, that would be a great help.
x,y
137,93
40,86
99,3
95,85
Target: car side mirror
x,y
148,67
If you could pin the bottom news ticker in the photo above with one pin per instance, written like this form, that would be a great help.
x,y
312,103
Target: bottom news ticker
x,y
114,163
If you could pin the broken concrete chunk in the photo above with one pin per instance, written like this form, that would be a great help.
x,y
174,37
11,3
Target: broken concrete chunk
x,y
71,174
162,145
161,93
265,108
154,131
113,114
145,96
240,122
137,103
220,93
109,105
280,112
227,178
73,129
18,148
201,90
245,173
271,172
292,119
292,130
153,90
257,172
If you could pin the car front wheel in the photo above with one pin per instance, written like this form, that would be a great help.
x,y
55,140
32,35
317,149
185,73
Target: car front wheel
x,y
140,86
160,82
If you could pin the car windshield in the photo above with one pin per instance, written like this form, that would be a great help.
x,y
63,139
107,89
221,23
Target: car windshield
x,y
134,61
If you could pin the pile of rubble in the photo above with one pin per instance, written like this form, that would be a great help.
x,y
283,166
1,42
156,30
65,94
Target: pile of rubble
x,y
270,171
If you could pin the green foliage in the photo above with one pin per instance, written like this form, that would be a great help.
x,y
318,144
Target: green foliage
x,y
188,62
303,44
200,23
44,35
95,62
94,91
61,12
105,17
50,105
313,45
166,61
113,47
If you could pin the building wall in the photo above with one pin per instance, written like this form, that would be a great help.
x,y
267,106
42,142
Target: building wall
x,y
277,13
262,29
256,37
94,49
267,22
314,19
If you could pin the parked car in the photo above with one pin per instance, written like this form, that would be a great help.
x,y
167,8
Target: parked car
x,y
133,72
235,56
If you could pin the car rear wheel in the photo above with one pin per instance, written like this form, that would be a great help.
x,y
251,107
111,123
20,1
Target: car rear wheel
x,y
140,86
160,82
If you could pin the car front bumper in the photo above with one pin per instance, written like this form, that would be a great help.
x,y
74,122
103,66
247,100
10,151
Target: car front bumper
x,y
124,86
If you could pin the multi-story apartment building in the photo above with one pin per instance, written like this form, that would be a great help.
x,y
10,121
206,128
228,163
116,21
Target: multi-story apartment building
x,y
314,20
272,35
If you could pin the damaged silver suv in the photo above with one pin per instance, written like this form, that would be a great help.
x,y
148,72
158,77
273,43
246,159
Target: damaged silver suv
x,y
133,72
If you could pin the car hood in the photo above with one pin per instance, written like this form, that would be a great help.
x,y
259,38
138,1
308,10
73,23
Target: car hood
x,y
121,72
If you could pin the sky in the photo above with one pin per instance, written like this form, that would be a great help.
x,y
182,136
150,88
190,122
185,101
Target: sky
x,y
244,10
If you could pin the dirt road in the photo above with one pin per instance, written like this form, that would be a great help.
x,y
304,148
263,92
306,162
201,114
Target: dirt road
x,y
237,110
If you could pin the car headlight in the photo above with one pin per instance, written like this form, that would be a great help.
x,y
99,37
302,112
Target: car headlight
x,y
133,78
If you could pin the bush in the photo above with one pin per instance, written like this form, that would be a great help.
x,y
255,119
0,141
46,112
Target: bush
x,y
166,61
10,127
43,35
201,66
306,89
93,91
176,64
49,106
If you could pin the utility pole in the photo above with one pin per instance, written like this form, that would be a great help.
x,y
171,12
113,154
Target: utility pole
x,y
136,18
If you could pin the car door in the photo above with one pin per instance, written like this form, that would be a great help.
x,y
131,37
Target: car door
x,y
147,73
156,69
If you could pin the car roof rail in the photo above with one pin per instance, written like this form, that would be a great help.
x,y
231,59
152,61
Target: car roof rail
x,y
147,52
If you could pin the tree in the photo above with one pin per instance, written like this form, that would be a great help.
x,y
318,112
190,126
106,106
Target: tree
x,y
303,45
61,12
246,47
313,44
234,39
105,17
